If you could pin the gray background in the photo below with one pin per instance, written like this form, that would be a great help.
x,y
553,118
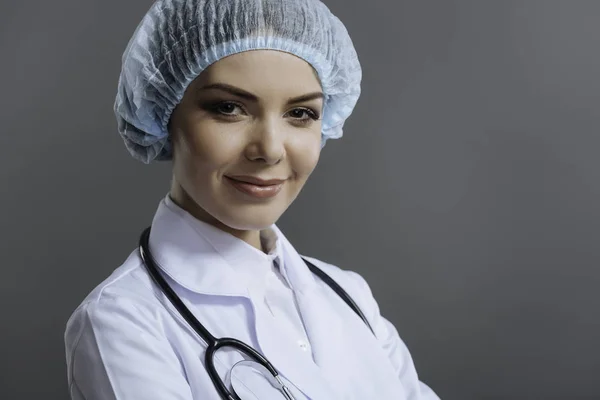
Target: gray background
x,y
466,188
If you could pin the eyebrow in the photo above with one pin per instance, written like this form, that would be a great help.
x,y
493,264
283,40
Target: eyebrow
x,y
251,97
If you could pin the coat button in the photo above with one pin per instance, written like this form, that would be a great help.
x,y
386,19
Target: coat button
x,y
303,345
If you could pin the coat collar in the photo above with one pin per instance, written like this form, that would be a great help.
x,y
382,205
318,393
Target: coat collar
x,y
207,260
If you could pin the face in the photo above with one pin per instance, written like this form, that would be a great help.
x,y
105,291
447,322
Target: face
x,y
246,137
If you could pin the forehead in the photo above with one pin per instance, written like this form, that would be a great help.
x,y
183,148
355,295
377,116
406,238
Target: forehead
x,y
263,71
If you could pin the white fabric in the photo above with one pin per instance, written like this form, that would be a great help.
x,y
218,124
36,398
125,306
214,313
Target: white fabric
x,y
126,341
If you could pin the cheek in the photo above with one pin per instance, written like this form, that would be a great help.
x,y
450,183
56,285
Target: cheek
x,y
304,158
205,148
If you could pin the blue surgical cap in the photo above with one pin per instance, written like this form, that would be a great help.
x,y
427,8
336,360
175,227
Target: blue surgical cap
x,y
177,39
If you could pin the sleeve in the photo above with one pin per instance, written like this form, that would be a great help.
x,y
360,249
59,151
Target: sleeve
x,y
394,347
115,351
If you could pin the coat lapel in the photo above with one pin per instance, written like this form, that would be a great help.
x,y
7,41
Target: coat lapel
x,y
323,328
283,352
288,359
322,322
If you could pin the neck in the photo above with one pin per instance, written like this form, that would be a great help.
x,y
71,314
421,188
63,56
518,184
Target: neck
x,y
183,200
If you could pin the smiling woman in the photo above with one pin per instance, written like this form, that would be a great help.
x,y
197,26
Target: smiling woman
x,y
240,95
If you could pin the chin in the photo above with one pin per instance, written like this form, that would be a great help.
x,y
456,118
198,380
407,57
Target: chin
x,y
249,220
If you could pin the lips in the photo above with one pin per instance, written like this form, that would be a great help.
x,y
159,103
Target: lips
x,y
256,187
256,180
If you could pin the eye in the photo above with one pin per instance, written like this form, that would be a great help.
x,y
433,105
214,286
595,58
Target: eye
x,y
227,108
303,114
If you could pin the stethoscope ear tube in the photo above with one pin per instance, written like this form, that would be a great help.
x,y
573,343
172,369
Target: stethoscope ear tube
x,y
339,290
152,268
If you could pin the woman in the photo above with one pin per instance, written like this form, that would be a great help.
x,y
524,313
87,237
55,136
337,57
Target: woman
x,y
241,95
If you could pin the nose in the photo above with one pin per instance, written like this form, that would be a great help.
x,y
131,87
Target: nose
x,y
266,143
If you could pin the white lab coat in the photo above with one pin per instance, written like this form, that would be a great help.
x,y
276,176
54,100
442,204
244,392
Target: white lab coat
x,y
127,342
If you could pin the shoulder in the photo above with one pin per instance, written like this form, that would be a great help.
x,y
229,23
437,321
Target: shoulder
x,y
128,281
119,326
125,293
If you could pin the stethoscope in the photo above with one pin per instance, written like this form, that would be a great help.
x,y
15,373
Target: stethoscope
x,y
214,343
